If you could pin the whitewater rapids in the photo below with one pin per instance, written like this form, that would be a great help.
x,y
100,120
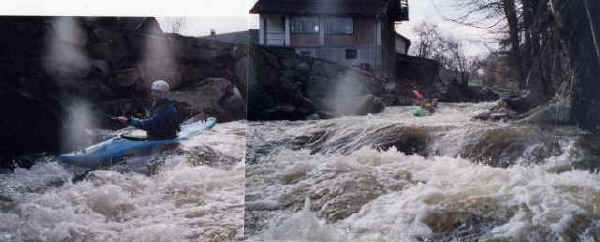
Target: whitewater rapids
x,y
331,180
196,195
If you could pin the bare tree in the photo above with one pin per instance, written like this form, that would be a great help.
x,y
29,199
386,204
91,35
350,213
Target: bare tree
x,y
427,38
175,25
448,51
530,40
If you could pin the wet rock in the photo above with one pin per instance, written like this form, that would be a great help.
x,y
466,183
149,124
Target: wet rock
x,y
397,100
362,105
465,217
313,139
524,102
579,225
294,174
550,114
212,97
409,140
205,155
405,139
7,204
450,226
586,153
126,77
215,233
501,147
32,126
337,195
286,86
500,112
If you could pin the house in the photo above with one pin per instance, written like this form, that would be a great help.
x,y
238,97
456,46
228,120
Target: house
x,y
350,32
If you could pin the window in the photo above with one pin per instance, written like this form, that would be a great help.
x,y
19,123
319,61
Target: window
x,y
339,25
305,25
350,54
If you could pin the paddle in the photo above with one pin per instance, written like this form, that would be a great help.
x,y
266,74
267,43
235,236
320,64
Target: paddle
x,y
112,118
109,116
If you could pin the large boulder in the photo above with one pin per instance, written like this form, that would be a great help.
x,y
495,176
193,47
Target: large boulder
x,y
29,124
524,102
503,147
284,85
212,97
360,105
351,191
549,114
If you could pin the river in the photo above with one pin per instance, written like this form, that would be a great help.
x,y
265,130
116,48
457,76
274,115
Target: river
x,y
197,194
384,177
396,177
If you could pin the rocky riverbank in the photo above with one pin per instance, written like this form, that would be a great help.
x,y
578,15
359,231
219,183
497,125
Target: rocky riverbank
x,y
62,75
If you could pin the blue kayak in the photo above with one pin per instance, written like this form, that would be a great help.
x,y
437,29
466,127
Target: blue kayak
x,y
115,149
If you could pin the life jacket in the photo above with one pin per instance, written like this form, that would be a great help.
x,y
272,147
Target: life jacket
x,y
167,120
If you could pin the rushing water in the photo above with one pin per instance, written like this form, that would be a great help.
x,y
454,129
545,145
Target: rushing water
x,y
456,179
197,194
384,177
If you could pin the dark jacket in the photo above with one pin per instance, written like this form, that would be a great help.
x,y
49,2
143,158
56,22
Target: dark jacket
x,y
163,122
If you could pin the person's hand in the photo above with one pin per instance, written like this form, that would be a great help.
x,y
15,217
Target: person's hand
x,y
123,120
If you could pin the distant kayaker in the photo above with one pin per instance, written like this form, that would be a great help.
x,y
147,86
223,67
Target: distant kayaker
x,y
163,121
426,104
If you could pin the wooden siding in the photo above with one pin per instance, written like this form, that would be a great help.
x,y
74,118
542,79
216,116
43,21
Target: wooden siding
x,y
275,30
304,40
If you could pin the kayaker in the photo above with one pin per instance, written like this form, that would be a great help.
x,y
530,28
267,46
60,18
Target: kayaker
x,y
163,121
426,104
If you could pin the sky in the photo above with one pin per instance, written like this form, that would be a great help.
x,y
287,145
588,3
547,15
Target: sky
x,y
230,15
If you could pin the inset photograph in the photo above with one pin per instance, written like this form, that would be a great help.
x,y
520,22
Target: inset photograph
x,y
461,120
122,128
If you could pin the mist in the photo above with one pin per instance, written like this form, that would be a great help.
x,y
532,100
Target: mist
x,y
158,61
343,98
66,61
79,120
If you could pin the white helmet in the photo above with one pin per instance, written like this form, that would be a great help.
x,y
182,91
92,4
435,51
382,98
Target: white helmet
x,y
160,85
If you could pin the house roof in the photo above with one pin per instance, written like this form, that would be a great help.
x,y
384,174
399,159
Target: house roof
x,y
322,7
